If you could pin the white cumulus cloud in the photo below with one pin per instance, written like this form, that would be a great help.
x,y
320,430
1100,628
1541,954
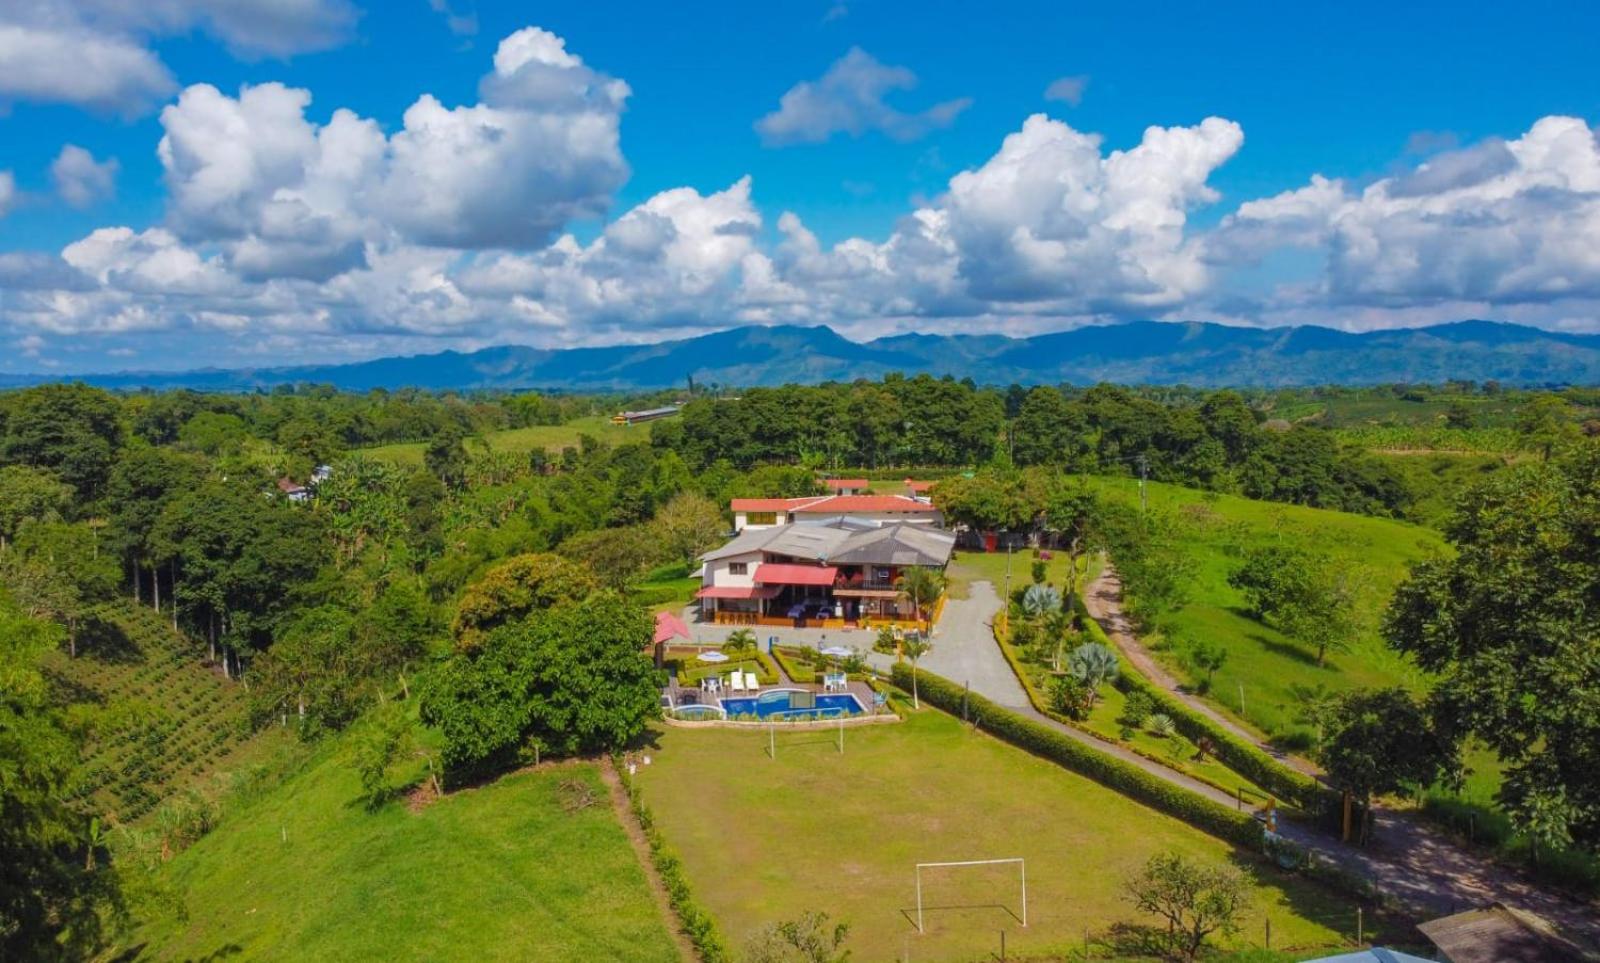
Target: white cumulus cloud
x,y
80,179
1498,222
850,98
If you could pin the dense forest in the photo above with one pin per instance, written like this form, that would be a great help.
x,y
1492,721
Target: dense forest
x,y
457,582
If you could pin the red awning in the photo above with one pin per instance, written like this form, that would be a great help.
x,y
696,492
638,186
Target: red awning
x,y
669,627
769,573
736,592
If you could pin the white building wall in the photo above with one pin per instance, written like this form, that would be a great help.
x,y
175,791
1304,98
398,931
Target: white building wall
x,y
717,572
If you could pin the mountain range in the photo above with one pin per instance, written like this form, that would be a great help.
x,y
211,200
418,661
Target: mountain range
x,y
1137,352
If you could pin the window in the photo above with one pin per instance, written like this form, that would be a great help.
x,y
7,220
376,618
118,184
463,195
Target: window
x,y
738,568
761,518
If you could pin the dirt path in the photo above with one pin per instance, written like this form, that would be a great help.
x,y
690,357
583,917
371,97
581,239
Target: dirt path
x,y
1409,858
641,849
1103,598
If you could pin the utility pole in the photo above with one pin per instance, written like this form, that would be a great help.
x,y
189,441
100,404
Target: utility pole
x,y
1144,473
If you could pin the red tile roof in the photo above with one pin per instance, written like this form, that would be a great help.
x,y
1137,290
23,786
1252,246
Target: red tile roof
x,y
771,573
737,592
915,487
845,482
769,504
851,504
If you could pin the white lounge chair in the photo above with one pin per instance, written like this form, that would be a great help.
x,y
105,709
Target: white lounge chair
x,y
736,681
751,683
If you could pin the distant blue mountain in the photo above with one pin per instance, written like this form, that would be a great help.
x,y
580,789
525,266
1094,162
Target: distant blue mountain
x,y
1139,352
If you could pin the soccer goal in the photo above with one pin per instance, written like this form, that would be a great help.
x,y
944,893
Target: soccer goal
x,y
1018,861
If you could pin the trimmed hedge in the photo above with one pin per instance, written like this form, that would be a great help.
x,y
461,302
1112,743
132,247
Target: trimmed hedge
x,y
1109,771
1243,757
689,672
695,922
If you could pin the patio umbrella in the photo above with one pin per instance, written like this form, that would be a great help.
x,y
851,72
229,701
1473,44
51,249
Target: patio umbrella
x,y
669,627
838,651
712,656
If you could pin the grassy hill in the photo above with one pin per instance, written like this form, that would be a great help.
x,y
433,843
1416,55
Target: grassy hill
x,y
502,872
163,721
1274,671
517,440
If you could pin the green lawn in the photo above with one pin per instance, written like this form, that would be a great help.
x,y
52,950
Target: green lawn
x,y
1271,668
968,567
767,839
498,872
551,437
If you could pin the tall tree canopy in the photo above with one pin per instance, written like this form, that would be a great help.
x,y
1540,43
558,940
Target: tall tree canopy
x,y
574,678
1510,625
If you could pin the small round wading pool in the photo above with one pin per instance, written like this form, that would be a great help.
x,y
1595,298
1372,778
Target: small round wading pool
x,y
794,704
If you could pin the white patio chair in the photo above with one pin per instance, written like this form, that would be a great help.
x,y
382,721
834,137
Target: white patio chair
x,y
736,681
751,683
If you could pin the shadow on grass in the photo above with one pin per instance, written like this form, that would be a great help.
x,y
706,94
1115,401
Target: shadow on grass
x,y
910,912
1319,902
1288,650
107,642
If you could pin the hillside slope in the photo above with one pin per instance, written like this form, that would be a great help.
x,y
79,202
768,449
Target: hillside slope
x,y
165,720
501,872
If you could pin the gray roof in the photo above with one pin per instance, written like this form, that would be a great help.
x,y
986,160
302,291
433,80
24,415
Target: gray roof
x,y
846,542
898,544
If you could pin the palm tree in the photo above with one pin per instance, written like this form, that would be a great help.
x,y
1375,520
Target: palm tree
x,y
922,586
741,641
914,647
1094,664
1041,604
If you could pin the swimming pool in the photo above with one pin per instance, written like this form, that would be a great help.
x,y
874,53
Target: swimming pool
x,y
794,704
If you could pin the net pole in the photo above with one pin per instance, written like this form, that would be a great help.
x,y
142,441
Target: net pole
x,y
1024,866
919,900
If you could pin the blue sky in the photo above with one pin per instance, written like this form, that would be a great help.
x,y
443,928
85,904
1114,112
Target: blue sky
x,y
1455,144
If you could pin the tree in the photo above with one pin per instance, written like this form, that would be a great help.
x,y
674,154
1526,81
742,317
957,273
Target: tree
x,y
50,904
617,556
1508,624
1377,741
1208,657
808,939
574,678
447,457
921,586
688,525
740,640
1544,423
1073,512
29,495
914,647
1195,901
378,747
1070,696
71,430
514,589
1093,664
1308,595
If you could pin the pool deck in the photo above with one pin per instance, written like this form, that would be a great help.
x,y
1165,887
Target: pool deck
x,y
860,690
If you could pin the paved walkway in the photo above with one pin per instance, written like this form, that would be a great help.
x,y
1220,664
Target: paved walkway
x,y
1420,868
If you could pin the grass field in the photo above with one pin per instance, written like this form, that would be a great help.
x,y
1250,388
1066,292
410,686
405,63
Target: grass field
x,y
501,872
767,839
550,437
1273,670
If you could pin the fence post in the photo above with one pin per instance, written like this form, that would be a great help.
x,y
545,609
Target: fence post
x,y
1360,927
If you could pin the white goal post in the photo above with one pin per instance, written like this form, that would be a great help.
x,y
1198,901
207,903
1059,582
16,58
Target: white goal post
x,y
1022,867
